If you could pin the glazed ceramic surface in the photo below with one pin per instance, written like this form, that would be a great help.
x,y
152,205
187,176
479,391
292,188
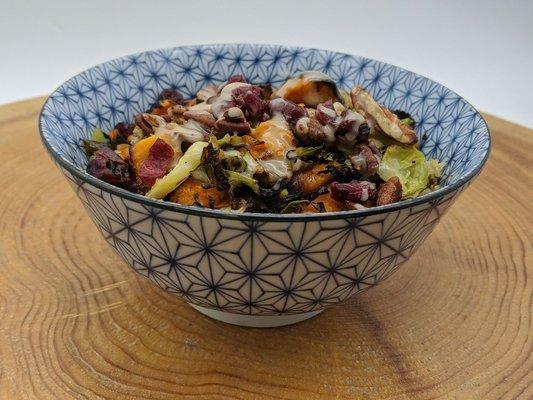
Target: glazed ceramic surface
x,y
259,264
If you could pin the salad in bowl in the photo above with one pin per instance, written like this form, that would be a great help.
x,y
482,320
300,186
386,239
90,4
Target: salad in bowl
x,y
304,147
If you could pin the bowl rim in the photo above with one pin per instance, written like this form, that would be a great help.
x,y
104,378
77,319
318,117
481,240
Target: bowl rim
x,y
248,216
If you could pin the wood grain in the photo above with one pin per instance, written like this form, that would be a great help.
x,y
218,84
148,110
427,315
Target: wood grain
x,y
76,323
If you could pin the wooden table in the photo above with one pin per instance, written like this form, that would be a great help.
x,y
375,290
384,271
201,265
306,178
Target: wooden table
x,y
455,322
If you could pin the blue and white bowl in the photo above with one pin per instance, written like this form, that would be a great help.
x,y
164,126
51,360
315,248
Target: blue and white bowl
x,y
259,269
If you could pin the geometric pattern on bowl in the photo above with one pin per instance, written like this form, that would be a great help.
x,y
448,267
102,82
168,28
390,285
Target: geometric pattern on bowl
x,y
259,264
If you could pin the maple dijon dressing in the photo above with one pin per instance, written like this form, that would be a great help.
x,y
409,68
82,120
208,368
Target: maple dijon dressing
x,y
274,139
220,104
276,135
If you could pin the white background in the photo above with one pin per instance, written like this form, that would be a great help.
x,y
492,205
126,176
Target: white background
x,y
481,49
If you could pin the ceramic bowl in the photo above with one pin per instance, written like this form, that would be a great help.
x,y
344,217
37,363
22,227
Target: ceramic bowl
x,y
259,269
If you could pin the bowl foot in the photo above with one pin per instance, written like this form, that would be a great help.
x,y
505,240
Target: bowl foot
x,y
255,321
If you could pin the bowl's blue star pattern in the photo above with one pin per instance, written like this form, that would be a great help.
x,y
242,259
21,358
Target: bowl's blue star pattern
x,y
249,266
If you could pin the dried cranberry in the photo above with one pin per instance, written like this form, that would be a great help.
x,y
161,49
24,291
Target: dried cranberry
x,y
156,164
106,165
325,113
124,129
172,95
237,78
355,191
249,100
293,112
348,124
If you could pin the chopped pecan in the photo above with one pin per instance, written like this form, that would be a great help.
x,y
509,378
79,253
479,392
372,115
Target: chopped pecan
x,y
249,100
177,111
223,126
347,129
354,191
140,121
309,131
325,113
301,128
290,111
389,192
234,114
364,160
202,117
232,121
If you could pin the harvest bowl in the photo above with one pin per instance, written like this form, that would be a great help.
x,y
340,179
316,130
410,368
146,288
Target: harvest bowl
x,y
248,269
